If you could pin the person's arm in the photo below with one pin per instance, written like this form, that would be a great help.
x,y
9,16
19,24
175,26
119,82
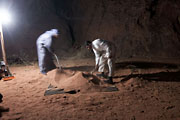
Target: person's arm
x,y
108,53
48,45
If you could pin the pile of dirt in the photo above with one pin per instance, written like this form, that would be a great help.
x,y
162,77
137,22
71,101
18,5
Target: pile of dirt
x,y
69,80
75,80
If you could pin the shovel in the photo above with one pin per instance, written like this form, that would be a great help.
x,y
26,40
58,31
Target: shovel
x,y
59,67
60,70
10,76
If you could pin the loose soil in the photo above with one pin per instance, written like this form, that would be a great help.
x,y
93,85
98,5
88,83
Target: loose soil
x,y
147,91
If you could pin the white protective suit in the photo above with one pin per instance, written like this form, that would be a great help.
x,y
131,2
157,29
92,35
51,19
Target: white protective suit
x,y
104,53
45,52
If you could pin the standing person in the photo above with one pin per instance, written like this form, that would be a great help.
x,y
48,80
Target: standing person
x,y
45,50
104,54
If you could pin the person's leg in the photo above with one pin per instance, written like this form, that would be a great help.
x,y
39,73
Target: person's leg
x,y
111,71
41,60
102,63
110,63
49,63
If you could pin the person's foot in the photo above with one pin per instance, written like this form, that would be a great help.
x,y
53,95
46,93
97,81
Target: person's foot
x,y
101,75
43,72
109,80
3,109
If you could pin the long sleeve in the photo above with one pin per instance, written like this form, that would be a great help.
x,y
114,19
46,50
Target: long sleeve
x,y
48,44
108,53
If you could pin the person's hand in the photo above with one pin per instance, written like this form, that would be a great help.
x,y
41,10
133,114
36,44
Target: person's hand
x,y
94,70
59,67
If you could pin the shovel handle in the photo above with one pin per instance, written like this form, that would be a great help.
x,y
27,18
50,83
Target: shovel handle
x,y
57,61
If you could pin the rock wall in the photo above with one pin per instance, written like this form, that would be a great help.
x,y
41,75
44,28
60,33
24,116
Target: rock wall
x,y
139,28
144,29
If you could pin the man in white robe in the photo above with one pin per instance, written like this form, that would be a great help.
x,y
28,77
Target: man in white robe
x,y
45,51
104,54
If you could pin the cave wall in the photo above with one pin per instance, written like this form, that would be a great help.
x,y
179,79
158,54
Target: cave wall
x,y
139,28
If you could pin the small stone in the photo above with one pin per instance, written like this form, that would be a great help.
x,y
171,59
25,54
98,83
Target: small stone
x,y
133,118
169,107
142,111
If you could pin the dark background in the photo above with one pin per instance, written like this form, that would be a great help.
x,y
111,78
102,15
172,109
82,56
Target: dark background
x,y
141,29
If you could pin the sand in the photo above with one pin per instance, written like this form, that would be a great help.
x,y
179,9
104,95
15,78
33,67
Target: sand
x,y
151,93
70,80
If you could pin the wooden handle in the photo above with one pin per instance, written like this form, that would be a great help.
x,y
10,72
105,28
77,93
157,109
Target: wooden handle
x,y
3,50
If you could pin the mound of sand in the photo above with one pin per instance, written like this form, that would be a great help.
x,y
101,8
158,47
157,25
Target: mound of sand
x,y
84,82
74,80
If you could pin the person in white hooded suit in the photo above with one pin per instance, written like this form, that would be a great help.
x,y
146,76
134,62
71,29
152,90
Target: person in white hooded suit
x,y
45,51
104,54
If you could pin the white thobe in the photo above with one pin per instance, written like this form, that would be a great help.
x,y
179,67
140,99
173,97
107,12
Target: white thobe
x,y
45,52
104,54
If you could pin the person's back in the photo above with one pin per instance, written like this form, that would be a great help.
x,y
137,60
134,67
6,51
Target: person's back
x,y
45,40
99,45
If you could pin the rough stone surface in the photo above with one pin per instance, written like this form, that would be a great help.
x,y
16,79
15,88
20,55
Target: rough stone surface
x,y
145,29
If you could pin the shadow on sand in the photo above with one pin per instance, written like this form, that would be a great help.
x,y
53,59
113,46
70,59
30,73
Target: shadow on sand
x,y
2,109
145,65
160,76
80,68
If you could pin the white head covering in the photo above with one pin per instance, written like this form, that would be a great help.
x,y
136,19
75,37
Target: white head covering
x,y
54,31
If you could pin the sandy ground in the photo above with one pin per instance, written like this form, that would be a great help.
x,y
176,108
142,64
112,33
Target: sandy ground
x,y
146,92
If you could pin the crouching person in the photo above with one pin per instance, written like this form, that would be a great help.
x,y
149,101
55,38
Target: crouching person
x,y
104,54
3,71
